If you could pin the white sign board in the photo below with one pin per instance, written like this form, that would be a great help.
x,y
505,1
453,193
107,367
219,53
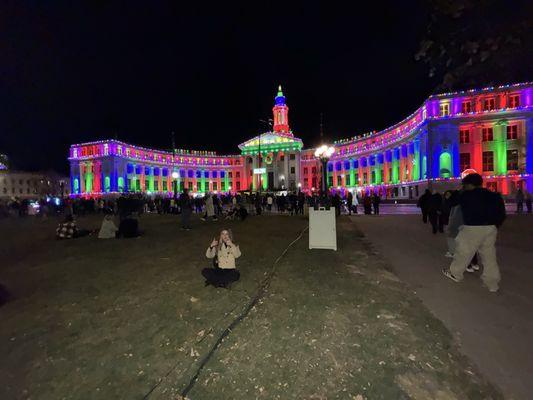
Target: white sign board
x,y
258,171
322,229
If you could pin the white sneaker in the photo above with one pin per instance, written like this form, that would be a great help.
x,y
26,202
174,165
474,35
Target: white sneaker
x,y
448,254
475,267
469,269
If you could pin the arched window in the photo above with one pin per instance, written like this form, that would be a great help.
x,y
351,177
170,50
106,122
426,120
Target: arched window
x,y
445,165
120,184
107,184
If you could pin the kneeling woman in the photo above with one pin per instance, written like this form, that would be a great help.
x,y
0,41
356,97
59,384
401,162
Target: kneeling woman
x,y
224,252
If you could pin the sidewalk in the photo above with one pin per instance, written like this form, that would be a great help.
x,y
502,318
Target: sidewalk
x,y
494,330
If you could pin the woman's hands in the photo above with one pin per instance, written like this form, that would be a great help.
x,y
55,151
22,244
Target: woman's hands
x,y
214,243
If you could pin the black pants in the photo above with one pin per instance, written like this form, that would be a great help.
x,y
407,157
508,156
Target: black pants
x,y
220,277
437,221
376,209
424,216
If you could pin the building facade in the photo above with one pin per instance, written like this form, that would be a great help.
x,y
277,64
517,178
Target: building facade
x,y
32,185
487,130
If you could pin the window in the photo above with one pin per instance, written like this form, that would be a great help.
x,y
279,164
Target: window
x,y
238,174
512,160
305,171
514,101
222,185
20,181
444,109
292,170
238,185
373,176
512,132
339,180
165,188
466,107
364,178
215,186
282,158
488,161
230,174
313,170
190,186
347,180
489,104
464,136
464,161
292,157
487,134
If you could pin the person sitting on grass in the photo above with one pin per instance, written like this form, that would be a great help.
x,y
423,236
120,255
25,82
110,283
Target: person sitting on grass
x,y
68,229
223,252
108,230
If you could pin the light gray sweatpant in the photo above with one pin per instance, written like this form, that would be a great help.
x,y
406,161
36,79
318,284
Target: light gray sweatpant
x,y
472,238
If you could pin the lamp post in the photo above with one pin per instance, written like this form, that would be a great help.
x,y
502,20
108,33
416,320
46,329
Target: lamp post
x,y
323,153
175,177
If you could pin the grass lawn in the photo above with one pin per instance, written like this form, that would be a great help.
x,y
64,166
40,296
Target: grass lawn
x,y
131,319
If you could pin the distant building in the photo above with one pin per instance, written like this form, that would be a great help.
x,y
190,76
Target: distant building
x,y
32,184
488,130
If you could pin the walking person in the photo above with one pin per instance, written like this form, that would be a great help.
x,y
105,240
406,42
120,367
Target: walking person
x,y
223,252
186,209
519,201
423,205
483,212
375,203
434,209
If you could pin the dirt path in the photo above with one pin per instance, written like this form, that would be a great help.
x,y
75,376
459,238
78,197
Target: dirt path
x,y
493,330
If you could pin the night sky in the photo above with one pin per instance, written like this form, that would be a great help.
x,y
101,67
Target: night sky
x,y
92,70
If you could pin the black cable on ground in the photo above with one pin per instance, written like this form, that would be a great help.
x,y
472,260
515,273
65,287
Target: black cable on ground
x,y
260,293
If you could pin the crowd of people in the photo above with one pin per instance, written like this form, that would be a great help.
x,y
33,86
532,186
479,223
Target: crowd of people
x,y
469,217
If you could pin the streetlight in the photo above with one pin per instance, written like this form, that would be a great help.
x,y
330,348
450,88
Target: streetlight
x,y
175,177
323,153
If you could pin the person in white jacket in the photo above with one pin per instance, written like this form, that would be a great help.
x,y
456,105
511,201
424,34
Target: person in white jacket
x,y
223,252
108,230
209,208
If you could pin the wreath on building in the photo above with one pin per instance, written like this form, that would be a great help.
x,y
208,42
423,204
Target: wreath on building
x,y
269,158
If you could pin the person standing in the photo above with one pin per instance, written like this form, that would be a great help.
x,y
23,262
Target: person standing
x,y
209,208
519,201
423,205
375,203
349,202
483,212
186,210
528,202
434,210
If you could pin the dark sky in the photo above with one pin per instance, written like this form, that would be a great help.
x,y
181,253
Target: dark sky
x,y
81,71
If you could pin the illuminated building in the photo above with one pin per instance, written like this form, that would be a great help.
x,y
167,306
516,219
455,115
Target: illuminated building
x,y
488,130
